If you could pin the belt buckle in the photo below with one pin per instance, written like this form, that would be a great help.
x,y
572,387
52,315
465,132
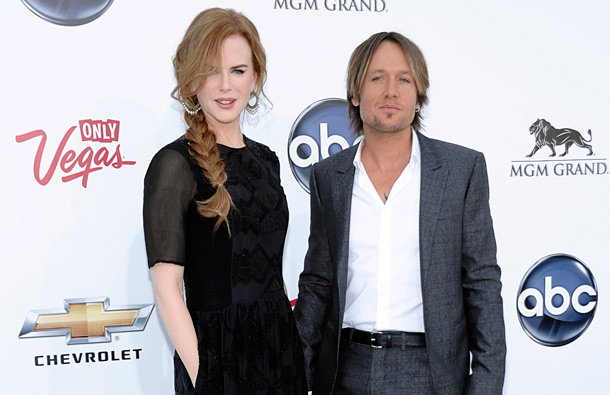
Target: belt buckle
x,y
373,339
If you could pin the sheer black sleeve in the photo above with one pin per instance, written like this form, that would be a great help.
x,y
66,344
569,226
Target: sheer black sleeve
x,y
169,189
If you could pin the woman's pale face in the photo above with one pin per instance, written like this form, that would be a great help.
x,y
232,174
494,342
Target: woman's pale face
x,y
226,91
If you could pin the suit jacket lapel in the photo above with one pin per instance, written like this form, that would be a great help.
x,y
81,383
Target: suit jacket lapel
x,y
343,182
433,180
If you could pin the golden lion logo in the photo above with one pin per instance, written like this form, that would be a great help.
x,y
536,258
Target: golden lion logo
x,y
546,134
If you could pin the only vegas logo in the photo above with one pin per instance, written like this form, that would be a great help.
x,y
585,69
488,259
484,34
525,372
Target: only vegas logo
x,y
99,149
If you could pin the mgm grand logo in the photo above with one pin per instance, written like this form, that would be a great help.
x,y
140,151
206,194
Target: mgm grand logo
x,y
572,163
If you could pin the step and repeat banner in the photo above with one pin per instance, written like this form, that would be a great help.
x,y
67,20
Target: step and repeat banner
x,y
86,104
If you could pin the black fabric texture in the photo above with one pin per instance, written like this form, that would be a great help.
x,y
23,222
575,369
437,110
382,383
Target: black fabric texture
x,y
248,342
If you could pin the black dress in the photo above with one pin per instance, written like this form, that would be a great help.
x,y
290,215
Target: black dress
x,y
246,333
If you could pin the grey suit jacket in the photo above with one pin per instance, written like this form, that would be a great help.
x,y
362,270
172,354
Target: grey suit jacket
x,y
460,277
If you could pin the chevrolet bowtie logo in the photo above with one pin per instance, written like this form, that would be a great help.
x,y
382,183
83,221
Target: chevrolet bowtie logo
x,y
86,320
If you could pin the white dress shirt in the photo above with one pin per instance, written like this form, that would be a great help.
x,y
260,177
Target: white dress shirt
x,y
383,280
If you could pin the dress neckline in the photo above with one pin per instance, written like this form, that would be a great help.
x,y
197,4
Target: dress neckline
x,y
228,147
247,143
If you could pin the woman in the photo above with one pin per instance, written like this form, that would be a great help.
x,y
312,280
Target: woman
x,y
215,220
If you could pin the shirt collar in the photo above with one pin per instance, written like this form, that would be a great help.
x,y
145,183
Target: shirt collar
x,y
415,152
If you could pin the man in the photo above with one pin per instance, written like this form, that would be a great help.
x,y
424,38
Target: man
x,y
400,292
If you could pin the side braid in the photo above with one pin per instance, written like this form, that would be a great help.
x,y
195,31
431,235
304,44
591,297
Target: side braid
x,y
202,146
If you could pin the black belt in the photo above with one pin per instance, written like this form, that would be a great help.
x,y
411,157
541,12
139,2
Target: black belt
x,y
384,339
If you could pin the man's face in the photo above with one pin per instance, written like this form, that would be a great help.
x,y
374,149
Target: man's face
x,y
388,96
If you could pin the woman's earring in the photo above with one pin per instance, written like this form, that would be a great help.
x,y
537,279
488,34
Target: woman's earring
x,y
252,108
190,109
417,109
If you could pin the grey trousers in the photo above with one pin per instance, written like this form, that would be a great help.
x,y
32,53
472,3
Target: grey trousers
x,y
366,370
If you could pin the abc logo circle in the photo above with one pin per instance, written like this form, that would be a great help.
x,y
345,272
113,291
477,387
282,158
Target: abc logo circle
x,y
557,299
321,130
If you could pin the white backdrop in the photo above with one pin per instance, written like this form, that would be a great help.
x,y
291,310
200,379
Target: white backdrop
x,y
495,69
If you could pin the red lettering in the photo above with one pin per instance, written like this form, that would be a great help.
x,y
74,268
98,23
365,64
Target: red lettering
x,y
84,161
119,162
86,130
99,131
113,126
88,160
101,156
38,158
65,164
